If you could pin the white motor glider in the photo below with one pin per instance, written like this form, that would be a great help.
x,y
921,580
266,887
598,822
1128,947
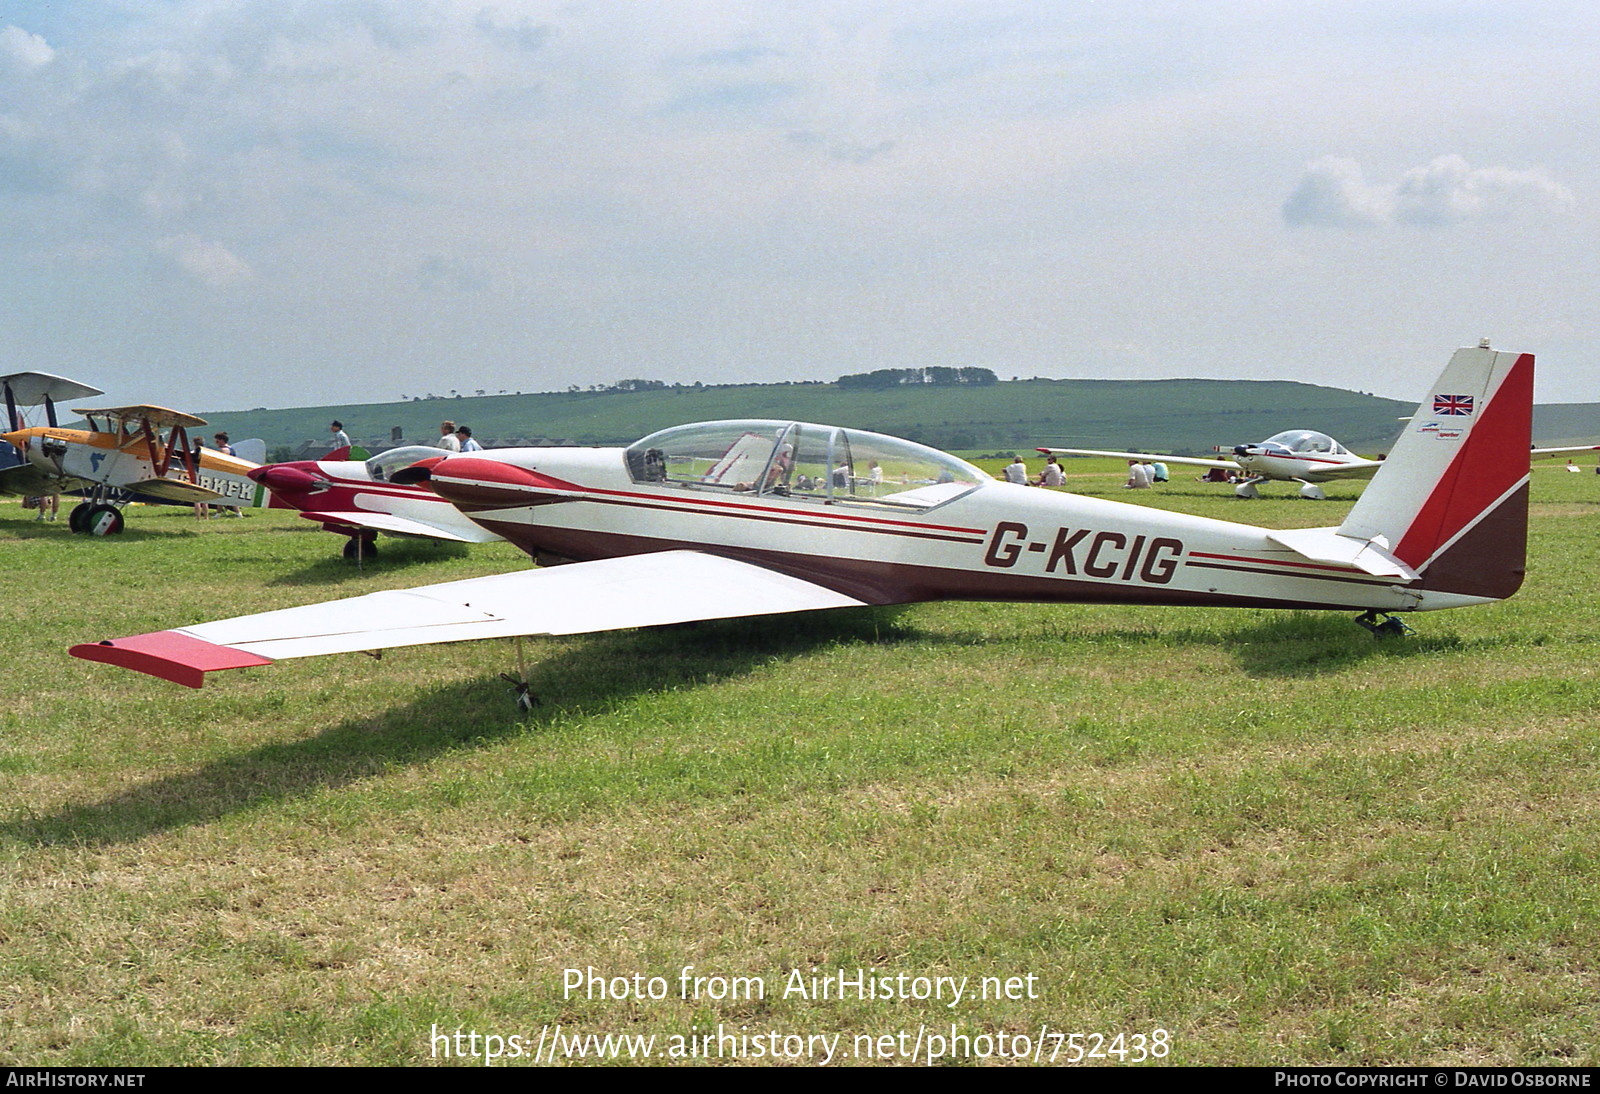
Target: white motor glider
x,y
739,518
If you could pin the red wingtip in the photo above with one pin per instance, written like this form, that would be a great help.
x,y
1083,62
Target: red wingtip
x,y
168,655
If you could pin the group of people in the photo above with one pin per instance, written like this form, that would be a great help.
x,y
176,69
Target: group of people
x,y
452,437
1017,472
456,438
1142,474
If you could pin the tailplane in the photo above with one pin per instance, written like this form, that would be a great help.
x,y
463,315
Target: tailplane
x,y
1451,502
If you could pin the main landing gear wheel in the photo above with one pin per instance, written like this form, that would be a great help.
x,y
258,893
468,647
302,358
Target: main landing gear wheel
x,y
76,517
102,520
1384,624
360,548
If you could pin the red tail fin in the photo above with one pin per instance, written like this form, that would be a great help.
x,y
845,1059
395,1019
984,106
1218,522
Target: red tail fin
x,y
1452,500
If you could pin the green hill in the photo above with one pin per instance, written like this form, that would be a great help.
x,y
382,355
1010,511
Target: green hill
x,y
1179,416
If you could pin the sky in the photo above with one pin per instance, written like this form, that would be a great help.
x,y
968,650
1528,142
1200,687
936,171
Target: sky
x,y
224,204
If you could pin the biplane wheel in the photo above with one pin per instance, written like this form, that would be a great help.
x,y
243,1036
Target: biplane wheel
x,y
76,517
360,548
103,520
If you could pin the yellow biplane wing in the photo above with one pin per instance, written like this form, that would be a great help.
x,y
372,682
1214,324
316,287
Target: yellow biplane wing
x,y
157,417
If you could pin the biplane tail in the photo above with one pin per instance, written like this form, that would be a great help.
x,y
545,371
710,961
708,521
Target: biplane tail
x,y
1451,502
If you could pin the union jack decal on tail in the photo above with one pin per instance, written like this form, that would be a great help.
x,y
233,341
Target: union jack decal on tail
x,y
1452,404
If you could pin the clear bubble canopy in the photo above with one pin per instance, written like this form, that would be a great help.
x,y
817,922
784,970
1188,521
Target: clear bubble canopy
x,y
1305,442
802,460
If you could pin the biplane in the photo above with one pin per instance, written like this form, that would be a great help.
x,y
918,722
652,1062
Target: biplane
x,y
740,518
360,498
142,450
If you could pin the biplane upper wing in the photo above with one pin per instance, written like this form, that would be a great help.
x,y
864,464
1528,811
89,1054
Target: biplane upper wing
x,y
158,417
608,594
33,388
402,526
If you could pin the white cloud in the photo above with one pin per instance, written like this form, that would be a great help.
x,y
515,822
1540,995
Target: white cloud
x,y
206,261
1335,193
24,50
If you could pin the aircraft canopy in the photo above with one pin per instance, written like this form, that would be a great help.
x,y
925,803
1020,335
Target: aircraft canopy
x,y
1305,442
802,460
384,464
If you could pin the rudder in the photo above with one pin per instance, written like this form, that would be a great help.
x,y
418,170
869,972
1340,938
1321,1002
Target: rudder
x,y
1451,502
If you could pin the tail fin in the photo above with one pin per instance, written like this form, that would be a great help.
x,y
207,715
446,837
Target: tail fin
x,y
1451,502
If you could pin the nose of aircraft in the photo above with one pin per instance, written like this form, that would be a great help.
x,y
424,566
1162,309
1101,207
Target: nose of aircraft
x,y
470,482
287,478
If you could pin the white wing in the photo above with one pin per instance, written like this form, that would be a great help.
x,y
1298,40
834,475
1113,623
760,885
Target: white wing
x,y
467,532
1153,457
609,594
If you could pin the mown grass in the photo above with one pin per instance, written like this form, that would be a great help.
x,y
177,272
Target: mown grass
x,y
1264,832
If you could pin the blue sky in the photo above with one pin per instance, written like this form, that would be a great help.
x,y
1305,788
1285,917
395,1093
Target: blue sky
x,y
216,204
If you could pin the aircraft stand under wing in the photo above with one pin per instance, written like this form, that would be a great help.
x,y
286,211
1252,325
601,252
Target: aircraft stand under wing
x,y
749,517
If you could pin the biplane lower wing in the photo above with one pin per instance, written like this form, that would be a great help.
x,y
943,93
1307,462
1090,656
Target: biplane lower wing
x,y
609,594
24,479
173,490
400,526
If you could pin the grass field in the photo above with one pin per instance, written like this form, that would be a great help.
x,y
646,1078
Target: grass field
x,y
1264,833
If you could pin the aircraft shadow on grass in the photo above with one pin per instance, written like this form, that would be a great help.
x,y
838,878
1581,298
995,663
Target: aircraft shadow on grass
x,y
29,528
1298,646
334,570
477,713
472,714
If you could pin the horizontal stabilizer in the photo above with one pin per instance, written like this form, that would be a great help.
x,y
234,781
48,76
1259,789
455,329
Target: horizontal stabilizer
x,y
1328,546
580,598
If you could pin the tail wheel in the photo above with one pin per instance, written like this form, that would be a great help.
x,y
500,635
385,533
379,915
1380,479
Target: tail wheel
x,y
102,520
360,548
75,519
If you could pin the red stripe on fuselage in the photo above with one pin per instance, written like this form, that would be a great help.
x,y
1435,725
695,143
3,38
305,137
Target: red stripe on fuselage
x,y
1276,562
534,480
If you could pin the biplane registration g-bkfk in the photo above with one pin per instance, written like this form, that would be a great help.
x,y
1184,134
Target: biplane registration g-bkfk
x,y
741,518
141,449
